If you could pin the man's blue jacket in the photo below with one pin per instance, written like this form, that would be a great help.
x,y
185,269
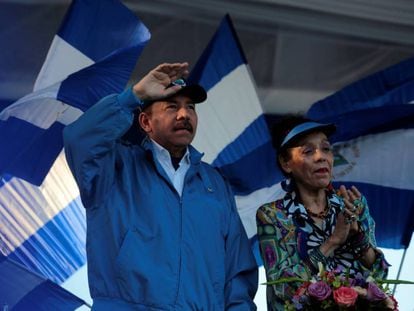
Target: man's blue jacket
x,y
147,247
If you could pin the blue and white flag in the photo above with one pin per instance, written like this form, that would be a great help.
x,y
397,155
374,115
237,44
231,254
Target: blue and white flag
x,y
232,130
22,290
374,146
42,220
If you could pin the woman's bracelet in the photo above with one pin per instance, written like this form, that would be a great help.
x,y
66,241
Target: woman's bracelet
x,y
358,244
317,256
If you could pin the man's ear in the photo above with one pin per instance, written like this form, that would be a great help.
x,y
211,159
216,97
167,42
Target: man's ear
x,y
144,122
284,163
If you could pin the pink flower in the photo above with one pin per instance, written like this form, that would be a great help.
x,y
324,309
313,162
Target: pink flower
x,y
319,290
374,293
345,296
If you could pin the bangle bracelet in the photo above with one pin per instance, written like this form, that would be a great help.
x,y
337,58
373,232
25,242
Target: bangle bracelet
x,y
316,256
358,245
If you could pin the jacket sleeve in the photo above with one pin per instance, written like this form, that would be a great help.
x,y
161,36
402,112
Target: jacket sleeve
x,y
241,268
90,144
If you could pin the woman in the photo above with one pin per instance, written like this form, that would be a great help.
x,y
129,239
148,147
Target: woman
x,y
312,224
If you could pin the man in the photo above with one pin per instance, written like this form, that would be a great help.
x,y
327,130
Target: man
x,y
163,231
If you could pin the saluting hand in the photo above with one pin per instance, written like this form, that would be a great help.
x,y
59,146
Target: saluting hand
x,y
153,86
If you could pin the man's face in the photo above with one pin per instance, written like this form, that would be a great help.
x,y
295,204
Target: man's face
x,y
172,123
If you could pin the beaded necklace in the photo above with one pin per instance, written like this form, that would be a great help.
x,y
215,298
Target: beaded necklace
x,y
321,214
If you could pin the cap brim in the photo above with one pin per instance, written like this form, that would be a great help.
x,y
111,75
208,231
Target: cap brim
x,y
195,92
306,128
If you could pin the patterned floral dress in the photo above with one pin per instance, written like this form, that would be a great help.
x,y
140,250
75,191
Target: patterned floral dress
x,y
287,236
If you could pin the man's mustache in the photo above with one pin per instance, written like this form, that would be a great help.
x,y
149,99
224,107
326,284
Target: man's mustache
x,y
186,125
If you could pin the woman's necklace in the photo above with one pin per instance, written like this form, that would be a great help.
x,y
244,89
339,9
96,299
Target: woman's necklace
x,y
321,214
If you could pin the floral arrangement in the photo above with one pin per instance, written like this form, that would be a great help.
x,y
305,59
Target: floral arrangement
x,y
336,290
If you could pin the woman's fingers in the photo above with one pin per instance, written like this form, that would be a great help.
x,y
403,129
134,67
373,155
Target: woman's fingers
x,y
352,199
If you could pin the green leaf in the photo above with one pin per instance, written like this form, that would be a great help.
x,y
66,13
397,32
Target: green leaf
x,y
394,281
284,280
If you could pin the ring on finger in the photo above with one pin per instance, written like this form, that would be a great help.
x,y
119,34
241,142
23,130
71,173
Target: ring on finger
x,y
358,203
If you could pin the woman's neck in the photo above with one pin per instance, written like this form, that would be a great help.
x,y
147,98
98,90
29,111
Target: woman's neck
x,y
312,199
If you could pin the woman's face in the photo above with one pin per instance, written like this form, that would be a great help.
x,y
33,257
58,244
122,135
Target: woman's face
x,y
310,163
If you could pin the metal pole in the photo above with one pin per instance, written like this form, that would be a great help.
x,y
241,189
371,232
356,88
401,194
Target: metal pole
x,y
399,270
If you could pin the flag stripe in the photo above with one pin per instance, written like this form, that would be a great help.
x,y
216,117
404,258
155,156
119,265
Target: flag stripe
x,y
23,290
48,294
391,220
253,171
254,135
111,23
110,75
371,121
222,55
56,251
247,205
31,143
38,108
215,128
64,56
371,159
25,208
392,86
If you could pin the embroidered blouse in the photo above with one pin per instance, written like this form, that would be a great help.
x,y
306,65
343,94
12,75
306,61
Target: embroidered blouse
x,y
288,236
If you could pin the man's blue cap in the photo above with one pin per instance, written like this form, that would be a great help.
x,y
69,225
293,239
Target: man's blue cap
x,y
308,127
195,92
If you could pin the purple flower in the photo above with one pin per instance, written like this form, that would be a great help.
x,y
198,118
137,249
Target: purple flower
x,y
359,280
374,293
352,282
319,290
296,303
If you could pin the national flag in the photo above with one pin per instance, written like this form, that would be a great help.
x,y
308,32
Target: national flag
x,y
42,220
374,146
89,58
22,290
232,130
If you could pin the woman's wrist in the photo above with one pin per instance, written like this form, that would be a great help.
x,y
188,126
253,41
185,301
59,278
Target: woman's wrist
x,y
316,257
330,245
358,244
